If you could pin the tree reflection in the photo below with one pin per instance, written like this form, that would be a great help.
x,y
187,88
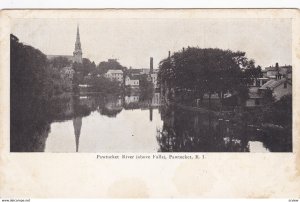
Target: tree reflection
x,y
110,105
188,131
183,130
30,134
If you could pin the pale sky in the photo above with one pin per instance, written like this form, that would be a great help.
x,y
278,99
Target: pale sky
x,y
134,41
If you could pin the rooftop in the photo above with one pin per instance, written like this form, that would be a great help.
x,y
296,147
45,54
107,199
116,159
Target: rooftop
x,y
114,71
274,68
273,84
133,77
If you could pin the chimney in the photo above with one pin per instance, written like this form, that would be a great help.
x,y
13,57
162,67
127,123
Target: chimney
x,y
277,67
151,65
169,54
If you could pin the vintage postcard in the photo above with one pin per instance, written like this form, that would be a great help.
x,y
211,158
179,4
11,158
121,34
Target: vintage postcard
x,y
150,103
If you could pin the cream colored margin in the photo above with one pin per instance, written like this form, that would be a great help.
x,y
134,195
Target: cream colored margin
x,y
40,175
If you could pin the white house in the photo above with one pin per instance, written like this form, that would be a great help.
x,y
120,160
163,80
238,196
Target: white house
x,y
114,74
132,81
279,87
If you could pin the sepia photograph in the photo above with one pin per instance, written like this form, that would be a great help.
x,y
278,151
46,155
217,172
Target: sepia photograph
x,y
151,85
149,103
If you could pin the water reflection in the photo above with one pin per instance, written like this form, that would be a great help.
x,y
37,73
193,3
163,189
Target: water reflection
x,y
29,126
118,123
107,123
77,122
111,105
187,130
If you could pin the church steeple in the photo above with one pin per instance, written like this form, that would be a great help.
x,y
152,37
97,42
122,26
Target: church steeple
x,y
78,36
77,54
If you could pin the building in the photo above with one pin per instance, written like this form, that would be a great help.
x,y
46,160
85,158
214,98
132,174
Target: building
x,y
276,78
154,79
258,82
115,75
140,71
145,71
77,54
67,72
132,81
279,87
255,99
275,72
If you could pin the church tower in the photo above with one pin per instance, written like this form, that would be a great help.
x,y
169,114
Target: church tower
x,y
77,54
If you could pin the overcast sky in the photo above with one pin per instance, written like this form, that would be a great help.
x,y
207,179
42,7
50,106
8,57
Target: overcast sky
x,y
134,41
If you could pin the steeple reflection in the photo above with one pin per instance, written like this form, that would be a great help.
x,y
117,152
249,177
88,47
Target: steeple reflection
x,y
77,122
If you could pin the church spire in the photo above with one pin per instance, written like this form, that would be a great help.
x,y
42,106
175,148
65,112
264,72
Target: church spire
x,y
77,54
78,35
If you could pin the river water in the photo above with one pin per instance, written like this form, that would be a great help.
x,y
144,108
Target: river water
x,y
115,123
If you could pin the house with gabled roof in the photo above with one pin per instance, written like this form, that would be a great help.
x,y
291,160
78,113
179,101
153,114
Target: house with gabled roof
x,y
279,87
115,74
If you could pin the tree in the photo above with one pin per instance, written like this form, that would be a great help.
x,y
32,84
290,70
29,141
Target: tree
x,y
88,66
60,62
34,83
207,71
279,112
33,78
104,66
105,85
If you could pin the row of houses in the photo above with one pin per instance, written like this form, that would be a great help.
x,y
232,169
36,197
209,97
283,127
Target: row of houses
x,y
133,79
133,76
277,79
